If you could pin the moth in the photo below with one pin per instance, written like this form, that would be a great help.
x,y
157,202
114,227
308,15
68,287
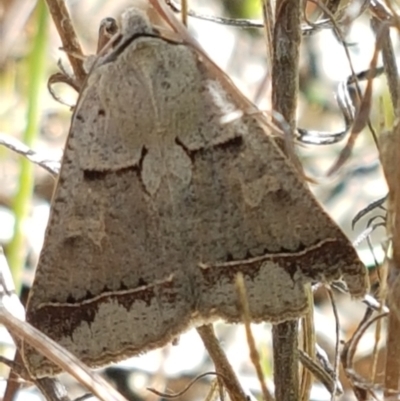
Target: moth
x,y
159,204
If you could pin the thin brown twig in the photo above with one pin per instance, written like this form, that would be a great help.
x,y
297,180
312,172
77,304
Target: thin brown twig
x,y
318,371
287,38
351,346
13,382
348,352
362,118
378,331
381,296
268,18
7,288
52,389
254,355
350,142
285,83
286,376
307,29
337,340
12,364
390,154
384,10
332,6
389,62
213,391
342,41
184,12
392,372
308,343
221,363
52,166
60,356
69,39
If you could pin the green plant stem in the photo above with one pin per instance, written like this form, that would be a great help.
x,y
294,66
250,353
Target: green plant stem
x,y
21,203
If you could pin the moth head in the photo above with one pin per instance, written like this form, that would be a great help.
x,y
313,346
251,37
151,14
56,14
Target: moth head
x,y
135,21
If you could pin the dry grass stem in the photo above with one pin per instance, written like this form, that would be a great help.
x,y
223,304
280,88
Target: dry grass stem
x,y
285,83
254,355
337,341
221,363
71,46
319,372
308,345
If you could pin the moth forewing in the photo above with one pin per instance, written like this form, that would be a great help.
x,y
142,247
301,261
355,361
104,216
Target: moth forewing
x,y
159,205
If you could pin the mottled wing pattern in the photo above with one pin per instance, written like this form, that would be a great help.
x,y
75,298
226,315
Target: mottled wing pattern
x,y
159,205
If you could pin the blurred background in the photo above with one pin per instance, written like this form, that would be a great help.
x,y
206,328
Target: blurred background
x,y
30,53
